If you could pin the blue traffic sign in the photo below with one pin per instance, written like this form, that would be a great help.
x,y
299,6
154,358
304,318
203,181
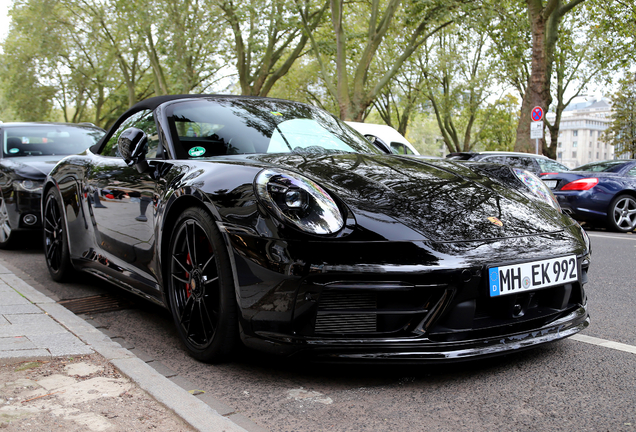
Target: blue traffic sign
x,y
537,114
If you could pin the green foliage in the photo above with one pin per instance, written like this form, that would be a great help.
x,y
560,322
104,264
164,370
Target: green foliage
x,y
500,131
404,63
458,79
93,59
424,134
622,131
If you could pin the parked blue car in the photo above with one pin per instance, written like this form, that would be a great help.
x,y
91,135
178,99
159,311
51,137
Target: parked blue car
x,y
599,193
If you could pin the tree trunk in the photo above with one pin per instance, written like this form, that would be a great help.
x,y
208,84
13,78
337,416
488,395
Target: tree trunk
x,y
538,89
544,22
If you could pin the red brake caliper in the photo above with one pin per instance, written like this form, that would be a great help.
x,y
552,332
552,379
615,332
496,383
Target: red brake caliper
x,y
188,290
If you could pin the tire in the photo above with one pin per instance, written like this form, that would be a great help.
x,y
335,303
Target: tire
x,y
200,288
621,215
58,258
7,235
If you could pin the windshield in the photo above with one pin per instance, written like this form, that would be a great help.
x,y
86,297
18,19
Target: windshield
x,y
47,140
606,166
205,128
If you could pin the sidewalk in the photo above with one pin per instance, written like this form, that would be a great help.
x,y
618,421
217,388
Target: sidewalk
x,y
57,369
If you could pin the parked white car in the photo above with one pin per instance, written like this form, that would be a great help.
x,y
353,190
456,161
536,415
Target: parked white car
x,y
385,137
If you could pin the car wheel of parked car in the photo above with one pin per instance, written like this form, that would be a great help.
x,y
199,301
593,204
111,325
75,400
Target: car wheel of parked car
x,y
622,213
7,235
58,259
201,287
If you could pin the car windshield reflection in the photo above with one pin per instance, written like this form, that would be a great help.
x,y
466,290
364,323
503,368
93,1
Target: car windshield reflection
x,y
48,140
207,128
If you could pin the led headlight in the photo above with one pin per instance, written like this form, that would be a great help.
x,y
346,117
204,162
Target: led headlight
x,y
536,185
28,185
296,199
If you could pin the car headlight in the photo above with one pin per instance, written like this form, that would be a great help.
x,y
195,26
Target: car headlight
x,y
537,186
586,238
299,201
28,185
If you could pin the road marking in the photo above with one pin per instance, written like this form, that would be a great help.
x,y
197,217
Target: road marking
x,y
626,237
605,343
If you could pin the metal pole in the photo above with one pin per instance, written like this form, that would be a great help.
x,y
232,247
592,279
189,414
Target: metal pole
x,y
536,145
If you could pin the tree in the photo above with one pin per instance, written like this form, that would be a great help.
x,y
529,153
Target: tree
x,y
269,38
458,78
622,131
400,99
579,58
583,37
545,17
26,57
501,131
93,59
348,52
182,42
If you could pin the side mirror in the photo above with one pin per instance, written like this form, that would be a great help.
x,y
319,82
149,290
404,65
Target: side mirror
x,y
376,141
133,146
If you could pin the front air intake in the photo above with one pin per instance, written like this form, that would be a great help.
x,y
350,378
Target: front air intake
x,y
346,312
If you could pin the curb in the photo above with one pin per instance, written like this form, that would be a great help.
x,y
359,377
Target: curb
x,y
159,382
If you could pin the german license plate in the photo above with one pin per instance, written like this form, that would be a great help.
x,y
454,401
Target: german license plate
x,y
550,183
530,276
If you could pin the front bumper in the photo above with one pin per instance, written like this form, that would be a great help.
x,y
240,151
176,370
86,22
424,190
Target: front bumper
x,y
424,351
24,209
401,301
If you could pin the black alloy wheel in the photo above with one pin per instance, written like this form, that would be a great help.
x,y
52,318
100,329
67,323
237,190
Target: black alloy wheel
x,y
201,287
6,237
622,213
56,251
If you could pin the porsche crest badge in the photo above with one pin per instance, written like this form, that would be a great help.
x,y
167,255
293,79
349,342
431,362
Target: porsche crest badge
x,y
496,221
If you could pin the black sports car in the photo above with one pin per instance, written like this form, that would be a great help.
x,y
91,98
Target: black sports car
x,y
28,151
272,223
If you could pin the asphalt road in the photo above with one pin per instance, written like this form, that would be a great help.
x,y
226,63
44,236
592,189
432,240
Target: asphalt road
x,y
568,385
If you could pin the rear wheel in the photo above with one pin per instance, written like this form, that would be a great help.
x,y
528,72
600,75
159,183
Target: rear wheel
x,y
58,259
622,213
201,288
7,235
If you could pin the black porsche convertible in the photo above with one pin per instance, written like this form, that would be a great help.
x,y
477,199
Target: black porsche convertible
x,y
273,224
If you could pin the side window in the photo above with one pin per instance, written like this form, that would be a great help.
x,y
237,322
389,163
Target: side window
x,y
521,162
548,165
143,120
494,159
398,148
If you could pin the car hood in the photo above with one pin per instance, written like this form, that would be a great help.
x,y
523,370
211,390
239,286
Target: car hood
x,y
440,200
32,167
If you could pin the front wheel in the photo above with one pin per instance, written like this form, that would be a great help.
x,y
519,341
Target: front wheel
x,y
622,213
201,288
58,259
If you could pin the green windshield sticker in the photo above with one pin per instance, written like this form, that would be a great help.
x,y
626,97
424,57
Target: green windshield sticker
x,y
196,151
14,150
276,113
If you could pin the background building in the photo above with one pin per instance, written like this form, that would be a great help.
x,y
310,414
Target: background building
x,y
580,135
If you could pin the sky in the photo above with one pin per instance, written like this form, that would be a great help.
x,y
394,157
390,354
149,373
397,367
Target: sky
x,y
4,18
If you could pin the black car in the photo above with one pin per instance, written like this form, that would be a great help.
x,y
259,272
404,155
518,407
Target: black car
x,y
536,164
600,193
28,152
272,223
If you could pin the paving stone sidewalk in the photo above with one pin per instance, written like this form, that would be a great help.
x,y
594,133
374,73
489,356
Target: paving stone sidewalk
x,y
35,328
